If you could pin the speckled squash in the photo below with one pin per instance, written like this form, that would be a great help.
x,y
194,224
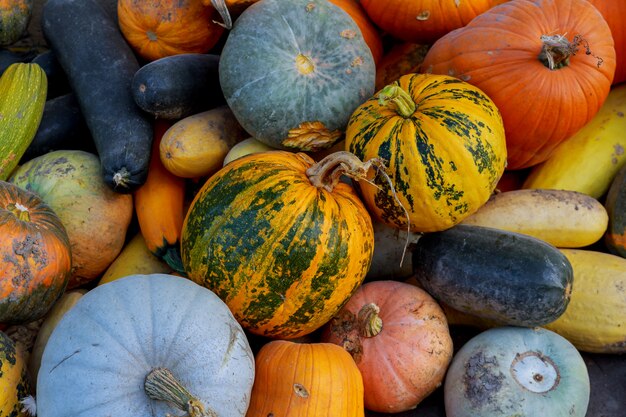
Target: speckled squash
x,y
36,256
615,203
14,18
513,371
443,143
293,71
15,383
280,239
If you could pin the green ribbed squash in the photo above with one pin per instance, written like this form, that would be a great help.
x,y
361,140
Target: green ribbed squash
x,y
280,239
293,71
444,146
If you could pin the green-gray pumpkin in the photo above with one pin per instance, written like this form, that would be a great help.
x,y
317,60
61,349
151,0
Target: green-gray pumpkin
x,y
516,371
293,71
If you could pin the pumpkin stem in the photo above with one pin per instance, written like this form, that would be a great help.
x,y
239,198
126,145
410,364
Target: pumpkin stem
x,y
121,178
393,95
162,385
557,50
327,172
220,6
19,211
370,323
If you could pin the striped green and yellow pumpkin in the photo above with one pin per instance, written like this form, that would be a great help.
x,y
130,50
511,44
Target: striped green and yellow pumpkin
x,y
444,146
14,381
280,239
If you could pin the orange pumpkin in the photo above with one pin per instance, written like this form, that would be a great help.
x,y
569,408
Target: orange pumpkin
x,y
401,59
36,256
614,13
398,336
547,65
305,379
160,28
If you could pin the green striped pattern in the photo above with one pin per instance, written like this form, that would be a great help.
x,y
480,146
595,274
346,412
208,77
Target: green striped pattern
x,y
283,254
444,160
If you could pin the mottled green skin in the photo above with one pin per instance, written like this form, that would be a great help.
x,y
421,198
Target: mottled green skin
x,y
262,84
14,380
14,18
615,204
284,255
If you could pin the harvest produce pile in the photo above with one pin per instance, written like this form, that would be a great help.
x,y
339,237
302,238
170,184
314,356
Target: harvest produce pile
x,y
320,208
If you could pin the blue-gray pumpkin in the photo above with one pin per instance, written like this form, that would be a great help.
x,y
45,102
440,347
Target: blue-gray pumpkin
x,y
293,71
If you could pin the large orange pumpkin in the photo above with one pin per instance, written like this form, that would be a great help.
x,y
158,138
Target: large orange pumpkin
x,y
36,257
614,13
547,64
305,380
160,28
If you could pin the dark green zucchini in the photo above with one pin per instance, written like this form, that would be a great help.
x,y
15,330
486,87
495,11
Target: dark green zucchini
x,y
615,204
513,278
100,66
62,126
57,80
9,57
178,86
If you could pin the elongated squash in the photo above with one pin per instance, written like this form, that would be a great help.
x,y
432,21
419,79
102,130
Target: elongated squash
x,y
615,203
23,89
159,204
563,218
588,161
595,319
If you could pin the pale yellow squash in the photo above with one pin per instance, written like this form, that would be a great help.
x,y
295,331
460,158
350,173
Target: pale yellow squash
x,y
245,147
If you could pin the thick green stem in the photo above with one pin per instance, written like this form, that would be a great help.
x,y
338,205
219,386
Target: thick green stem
x,y
370,323
395,96
162,385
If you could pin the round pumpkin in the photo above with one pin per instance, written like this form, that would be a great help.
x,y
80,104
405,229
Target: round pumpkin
x,y
398,336
280,239
547,64
96,218
614,13
510,371
36,256
293,71
443,144
305,379
422,21
160,28
146,346
14,383
15,15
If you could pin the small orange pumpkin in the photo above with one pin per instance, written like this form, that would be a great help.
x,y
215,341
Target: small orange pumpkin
x,y
305,379
36,256
160,28
398,336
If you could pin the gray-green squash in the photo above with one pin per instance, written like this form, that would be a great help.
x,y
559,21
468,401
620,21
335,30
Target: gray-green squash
x,y
293,71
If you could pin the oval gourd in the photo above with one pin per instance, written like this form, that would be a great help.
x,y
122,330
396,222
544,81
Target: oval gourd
x,y
399,339
496,274
549,48
563,218
443,143
280,239
293,71
595,319
305,379
15,384
96,218
514,371
589,160
245,147
615,203
124,336
36,256
196,145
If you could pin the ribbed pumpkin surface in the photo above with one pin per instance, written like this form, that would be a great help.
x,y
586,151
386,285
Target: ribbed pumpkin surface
x,y
444,157
282,253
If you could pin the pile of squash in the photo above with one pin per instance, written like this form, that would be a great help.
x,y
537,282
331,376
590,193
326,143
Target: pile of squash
x,y
290,208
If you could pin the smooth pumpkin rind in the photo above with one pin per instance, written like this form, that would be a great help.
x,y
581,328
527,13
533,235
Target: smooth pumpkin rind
x,y
283,254
444,160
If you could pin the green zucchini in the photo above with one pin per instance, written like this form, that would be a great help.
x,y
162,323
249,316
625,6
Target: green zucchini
x,y
23,88
100,65
178,86
506,276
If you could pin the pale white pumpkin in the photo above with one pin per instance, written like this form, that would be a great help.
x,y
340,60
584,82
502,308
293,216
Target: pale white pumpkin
x,y
99,356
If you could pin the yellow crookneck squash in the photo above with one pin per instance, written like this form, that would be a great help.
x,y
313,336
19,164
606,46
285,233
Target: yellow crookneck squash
x,y
443,143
